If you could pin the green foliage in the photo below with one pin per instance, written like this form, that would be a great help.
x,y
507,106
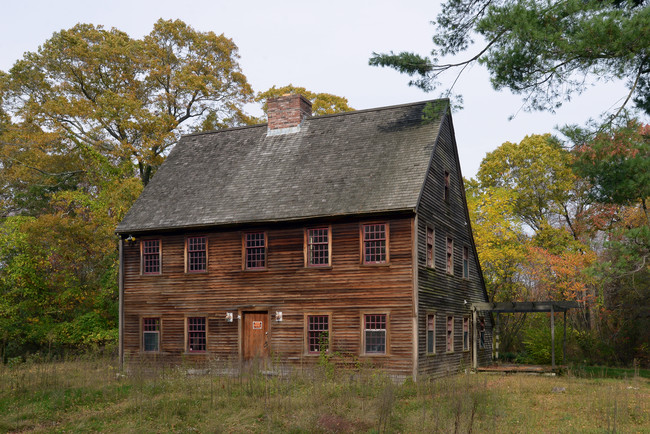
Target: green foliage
x,y
618,165
322,103
543,50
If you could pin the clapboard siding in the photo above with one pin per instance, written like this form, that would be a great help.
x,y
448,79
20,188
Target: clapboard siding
x,y
345,291
440,293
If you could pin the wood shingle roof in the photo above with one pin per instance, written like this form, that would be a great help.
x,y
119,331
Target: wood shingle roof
x,y
353,163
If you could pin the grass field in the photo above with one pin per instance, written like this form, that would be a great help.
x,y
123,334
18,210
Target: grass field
x,y
92,396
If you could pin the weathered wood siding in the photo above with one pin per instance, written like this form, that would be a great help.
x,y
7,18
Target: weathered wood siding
x,y
345,291
440,293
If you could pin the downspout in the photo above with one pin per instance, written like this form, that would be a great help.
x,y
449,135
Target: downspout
x,y
121,304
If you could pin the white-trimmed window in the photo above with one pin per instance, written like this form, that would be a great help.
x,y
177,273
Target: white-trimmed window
x,y
150,334
450,334
374,333
431,333
431,251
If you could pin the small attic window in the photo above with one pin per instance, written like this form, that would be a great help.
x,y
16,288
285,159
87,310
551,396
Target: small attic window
x,y
446,191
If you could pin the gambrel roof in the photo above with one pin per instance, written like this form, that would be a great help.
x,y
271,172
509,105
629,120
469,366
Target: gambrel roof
x,y
360,162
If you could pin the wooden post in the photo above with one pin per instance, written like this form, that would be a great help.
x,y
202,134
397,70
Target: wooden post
x,y
564,342
120,284
474,340
552,338
496,340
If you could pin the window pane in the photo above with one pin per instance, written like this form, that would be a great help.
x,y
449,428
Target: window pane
x,y
374,243
196,334
151,341
431,319
318,247
375,333
150,334
151,256
317,333
196,254
255,250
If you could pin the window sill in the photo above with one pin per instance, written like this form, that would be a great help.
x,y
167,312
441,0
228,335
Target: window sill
x,y
191,273
254,270
318,267
380,264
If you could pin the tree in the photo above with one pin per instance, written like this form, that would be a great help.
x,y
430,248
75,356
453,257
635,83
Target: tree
x,y
128,99
538,171
544,50
618,166
322,103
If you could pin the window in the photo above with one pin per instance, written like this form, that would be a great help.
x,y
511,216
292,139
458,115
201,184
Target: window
x,y
465,334
431,334
318,247
481,333
450,334
465,262
197,254
446,191
151,334
196,335
255,250
375,249
150,256
317,333
375,333
430,248
450,256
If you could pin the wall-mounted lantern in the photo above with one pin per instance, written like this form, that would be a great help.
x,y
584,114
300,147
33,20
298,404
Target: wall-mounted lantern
x,y
278,316
229,316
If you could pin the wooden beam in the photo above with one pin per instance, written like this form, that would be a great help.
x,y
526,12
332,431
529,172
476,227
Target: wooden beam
x,y
474,340
564,342
552,338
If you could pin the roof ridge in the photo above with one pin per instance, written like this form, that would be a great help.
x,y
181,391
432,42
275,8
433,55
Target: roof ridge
x,y
330,115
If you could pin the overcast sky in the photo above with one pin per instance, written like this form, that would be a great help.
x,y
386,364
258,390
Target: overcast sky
x,y
322,46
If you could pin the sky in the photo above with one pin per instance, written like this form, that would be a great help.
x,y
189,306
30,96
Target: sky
x,y
322,46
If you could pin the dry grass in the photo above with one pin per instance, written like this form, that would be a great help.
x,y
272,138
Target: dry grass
x,y
91,396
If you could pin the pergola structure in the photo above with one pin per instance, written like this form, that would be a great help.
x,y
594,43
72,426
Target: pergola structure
x,y
524,306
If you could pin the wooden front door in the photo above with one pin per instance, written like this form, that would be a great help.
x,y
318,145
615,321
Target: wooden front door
x,y
255,335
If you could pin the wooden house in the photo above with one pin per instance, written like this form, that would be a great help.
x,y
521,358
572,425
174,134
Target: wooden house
x,y
345,233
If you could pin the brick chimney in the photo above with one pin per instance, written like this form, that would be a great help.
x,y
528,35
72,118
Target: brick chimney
x,y
287,112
